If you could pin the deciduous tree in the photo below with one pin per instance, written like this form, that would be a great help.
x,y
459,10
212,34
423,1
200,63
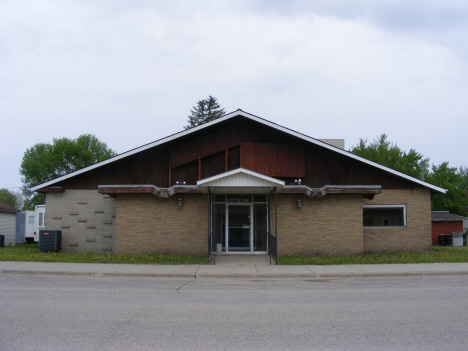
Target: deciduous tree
x,y
11,198
456,198
46,161
455,181
387,154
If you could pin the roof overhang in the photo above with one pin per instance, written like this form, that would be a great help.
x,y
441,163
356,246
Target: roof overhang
x,y
446,216
251,117
51,189
240,181
367,191
147,189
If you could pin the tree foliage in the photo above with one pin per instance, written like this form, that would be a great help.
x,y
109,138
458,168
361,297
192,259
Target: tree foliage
x,y
204,111
456,198
387,154
11,198
455,181
46,161
463,171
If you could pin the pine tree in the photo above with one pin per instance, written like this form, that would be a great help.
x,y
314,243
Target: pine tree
x,y
204,111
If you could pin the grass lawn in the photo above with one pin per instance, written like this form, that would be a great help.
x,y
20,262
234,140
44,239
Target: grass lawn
x,y
437,254
30,252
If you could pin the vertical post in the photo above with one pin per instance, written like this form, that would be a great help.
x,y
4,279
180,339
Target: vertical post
x,y
209,226
213,223
269,225
199,168
276,227
170,170
226,161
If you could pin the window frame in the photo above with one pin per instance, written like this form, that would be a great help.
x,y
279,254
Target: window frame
x,y
403,206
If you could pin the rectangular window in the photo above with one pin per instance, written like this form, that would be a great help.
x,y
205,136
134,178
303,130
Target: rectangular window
x,y
31,219
384,215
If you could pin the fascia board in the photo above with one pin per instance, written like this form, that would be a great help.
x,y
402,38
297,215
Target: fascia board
x,y
254,118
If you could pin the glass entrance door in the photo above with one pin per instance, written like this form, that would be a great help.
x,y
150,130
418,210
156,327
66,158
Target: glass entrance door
x,y
239,224
239,228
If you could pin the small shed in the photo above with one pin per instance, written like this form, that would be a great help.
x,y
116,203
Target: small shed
x,y
444,222
8,223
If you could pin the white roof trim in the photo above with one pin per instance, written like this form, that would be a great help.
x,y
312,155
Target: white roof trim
x,y
241,179
240,170
254,118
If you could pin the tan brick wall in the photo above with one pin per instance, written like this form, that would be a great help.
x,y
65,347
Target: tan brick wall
x,y
331,225
85,217
417,234
148,224
144,223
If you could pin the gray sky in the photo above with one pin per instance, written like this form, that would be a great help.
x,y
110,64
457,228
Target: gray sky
x,y
130,71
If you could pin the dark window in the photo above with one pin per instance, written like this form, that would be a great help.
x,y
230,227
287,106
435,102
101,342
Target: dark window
x,y
384,216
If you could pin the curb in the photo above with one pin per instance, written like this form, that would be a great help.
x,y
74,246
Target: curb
x,y
241,275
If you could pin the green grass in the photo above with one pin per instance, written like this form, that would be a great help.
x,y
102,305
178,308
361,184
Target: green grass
x,y
29,252
32,254
437,254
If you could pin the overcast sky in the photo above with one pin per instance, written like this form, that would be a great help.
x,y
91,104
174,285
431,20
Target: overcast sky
x,y
130,71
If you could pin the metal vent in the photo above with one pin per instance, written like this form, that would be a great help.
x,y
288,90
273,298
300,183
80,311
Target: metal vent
x,y
50,240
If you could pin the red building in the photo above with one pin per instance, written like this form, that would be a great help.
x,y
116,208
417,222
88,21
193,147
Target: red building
x,y
444,222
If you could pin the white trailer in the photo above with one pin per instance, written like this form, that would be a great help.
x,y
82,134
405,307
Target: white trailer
x,y
29,226
35,221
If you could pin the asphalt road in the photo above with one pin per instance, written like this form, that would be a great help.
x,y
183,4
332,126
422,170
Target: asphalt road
x,y
105,313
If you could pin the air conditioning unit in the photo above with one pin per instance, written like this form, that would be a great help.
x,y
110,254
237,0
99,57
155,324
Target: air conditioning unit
x,y
50,240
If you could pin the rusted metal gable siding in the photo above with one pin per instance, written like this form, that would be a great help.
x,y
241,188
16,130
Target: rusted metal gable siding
x,y
274,160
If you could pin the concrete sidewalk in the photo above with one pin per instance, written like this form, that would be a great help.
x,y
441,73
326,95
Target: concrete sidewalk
x,y
234,271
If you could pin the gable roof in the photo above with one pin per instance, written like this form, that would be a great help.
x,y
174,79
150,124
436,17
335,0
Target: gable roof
x,y
240,181
446,216
228,116
6,208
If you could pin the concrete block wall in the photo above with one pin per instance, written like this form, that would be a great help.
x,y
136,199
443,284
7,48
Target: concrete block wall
x,y
149,224
86,219
416,236
331,225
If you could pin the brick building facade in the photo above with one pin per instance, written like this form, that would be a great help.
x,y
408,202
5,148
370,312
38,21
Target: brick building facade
x,y
239,184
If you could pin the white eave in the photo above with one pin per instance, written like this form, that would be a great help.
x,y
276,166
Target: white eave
x,y
240,181
256,119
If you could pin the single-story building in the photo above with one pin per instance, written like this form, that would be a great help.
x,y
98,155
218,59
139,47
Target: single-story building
x,y
8,223
239,184
444,222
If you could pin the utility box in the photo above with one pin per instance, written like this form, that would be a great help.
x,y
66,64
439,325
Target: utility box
x,y
50,240
457,238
